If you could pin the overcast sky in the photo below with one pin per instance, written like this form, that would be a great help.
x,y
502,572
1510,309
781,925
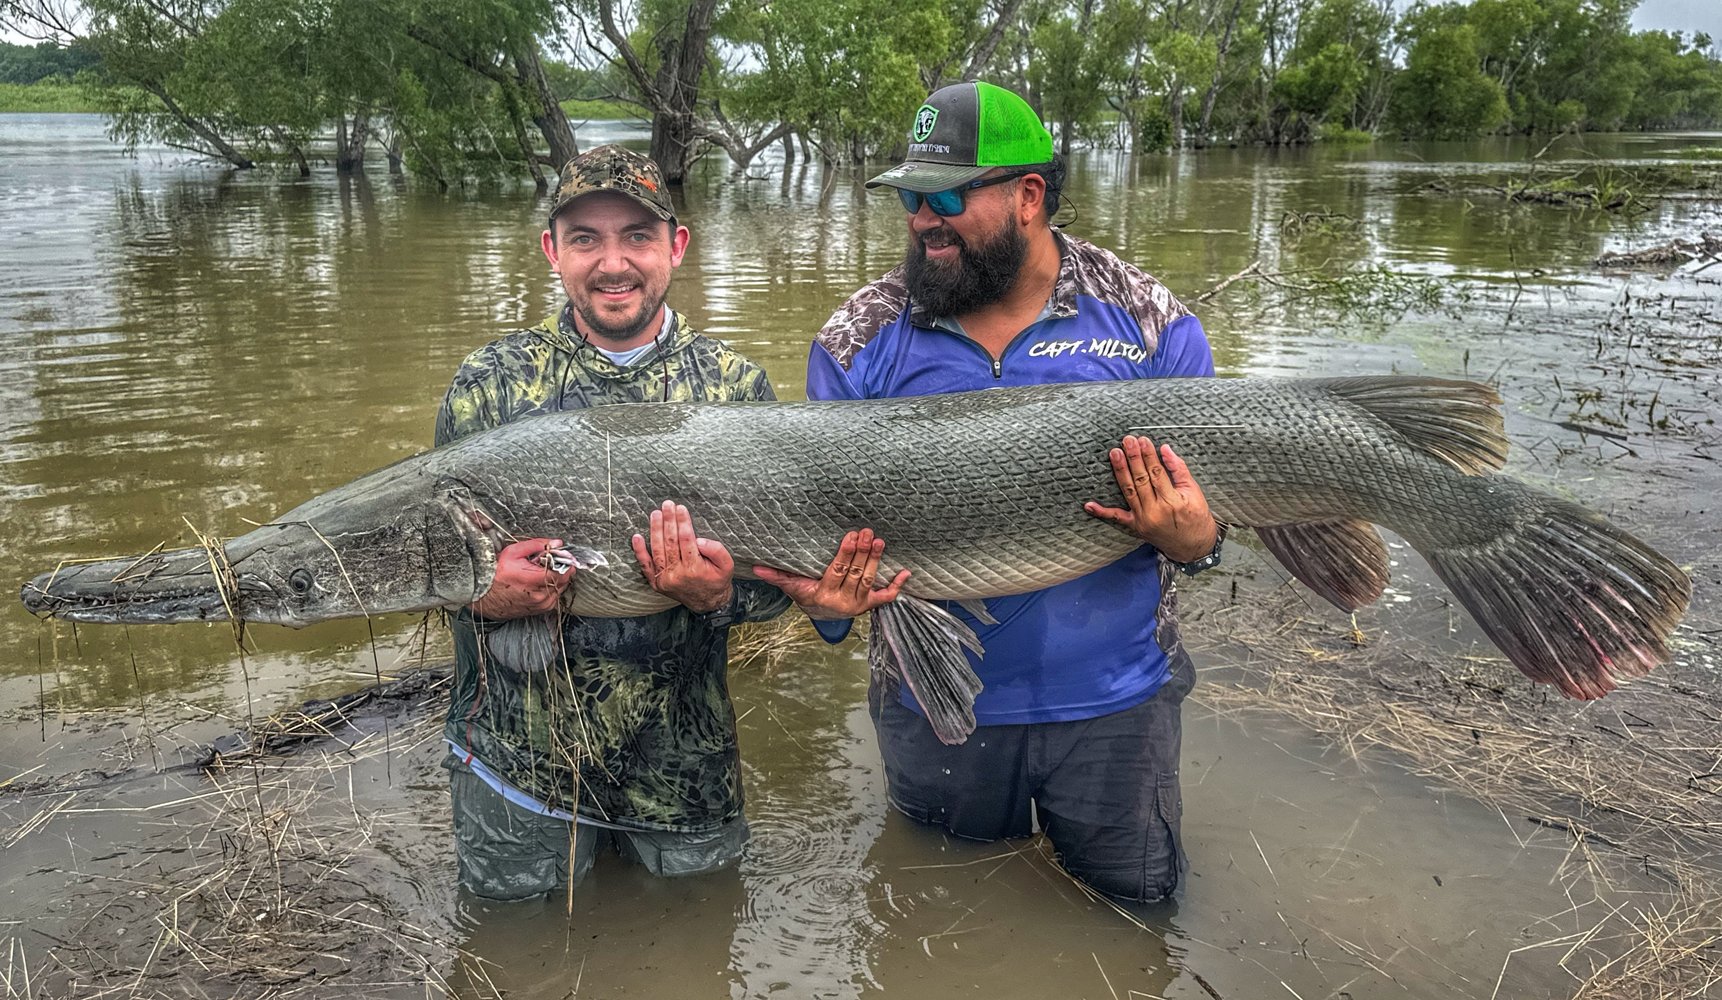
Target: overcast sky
x,y
1680,15
1652,15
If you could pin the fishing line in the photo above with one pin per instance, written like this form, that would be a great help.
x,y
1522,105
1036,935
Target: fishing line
x,y
609,494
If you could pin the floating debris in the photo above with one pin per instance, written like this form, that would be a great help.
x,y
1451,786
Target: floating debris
x,y
1702,252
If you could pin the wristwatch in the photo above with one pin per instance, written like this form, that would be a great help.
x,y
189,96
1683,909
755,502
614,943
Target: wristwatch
x,y
1210,560
722,616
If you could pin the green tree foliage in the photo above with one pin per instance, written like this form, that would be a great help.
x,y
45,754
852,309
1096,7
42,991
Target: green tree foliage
x,y
1683,83
1339,68
1443,92
43,61
455,87
1324,84
457,90
846,73
1079,58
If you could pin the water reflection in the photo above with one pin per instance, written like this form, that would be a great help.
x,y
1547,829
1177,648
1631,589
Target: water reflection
x,y
179,341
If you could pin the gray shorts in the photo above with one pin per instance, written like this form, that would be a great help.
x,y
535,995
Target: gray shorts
x,y
1105,790
507,852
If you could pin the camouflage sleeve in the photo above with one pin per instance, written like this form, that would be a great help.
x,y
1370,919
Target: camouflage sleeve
x,y
861,316
754,386
472,403
756,601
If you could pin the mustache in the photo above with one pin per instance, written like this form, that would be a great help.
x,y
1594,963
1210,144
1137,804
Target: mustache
x,y
613,279
943,235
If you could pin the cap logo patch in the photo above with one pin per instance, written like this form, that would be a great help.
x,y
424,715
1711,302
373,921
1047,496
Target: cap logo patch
x,y
924,120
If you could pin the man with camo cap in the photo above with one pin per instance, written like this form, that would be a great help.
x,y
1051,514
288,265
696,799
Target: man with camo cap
x,y
626,723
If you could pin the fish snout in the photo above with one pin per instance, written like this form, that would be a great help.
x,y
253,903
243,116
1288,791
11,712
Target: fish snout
x,y
175,586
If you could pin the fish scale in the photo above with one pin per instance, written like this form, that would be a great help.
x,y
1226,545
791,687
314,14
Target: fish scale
x,y
979,494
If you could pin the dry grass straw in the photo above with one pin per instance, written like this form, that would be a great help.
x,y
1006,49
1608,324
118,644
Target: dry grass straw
x,y
271,890
1633,780
267,894
330,720
766,645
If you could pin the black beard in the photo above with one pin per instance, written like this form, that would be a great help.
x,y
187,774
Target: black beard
x,y
980,276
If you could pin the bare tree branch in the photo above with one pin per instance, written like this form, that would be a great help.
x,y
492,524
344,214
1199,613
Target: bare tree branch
x,y
198,128
984,52
630,58
42,20
486,69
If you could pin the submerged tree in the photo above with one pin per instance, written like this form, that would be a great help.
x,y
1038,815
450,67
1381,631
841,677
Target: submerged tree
x,y
1443,92
462,89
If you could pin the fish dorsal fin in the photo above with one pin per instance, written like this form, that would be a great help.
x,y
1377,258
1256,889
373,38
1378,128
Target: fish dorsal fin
x,y
1343,561
1457,422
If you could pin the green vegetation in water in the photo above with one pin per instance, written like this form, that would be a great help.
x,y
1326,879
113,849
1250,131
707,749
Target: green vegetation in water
x,y
1602,185
1372,293
1700,154
46,97
484,97
1295,227
1609,191
1337,132
1679,176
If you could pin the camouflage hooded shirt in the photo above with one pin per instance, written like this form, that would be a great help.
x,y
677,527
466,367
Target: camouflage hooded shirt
x,y
640,709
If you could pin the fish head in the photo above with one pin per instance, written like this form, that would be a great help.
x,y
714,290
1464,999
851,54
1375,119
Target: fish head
x,y
396,540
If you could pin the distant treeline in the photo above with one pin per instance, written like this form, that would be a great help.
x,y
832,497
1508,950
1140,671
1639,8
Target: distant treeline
x,y
462,89
45,61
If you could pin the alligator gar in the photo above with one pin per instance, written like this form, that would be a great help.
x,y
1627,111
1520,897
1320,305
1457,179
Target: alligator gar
x,y
980,494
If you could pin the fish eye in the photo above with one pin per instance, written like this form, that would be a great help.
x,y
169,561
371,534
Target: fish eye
x,y
300,580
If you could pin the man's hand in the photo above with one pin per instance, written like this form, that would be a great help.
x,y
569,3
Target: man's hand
x,y
528,580
693,571
846,589
1163,505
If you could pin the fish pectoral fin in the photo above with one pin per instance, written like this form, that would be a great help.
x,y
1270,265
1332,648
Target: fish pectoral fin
x,y
978,608
586,557
1343,561
923,644
524,645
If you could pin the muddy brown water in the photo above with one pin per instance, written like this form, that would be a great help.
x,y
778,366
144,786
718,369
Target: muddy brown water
x,y
178,341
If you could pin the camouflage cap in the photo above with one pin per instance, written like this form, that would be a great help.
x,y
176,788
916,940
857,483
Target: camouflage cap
x,y
614,168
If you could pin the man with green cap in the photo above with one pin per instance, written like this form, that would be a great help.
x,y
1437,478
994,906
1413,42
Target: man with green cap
x,y
1079,717
625,723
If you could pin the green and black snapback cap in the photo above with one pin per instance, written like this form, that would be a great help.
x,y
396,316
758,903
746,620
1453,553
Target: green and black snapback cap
x,y
963,131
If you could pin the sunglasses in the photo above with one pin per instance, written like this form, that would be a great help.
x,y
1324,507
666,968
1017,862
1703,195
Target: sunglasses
x,y
950,201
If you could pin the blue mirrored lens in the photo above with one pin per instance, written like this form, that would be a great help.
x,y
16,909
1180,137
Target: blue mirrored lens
x,y
945,203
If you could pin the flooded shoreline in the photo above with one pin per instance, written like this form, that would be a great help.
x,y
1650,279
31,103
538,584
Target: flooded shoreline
x,y
175,342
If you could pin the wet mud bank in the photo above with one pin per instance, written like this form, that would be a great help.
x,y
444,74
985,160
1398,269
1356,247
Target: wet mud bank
x,y
1369,806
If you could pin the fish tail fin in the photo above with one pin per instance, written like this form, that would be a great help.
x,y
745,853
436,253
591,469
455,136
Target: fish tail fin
x,y
1571,599
1457,422
923,644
